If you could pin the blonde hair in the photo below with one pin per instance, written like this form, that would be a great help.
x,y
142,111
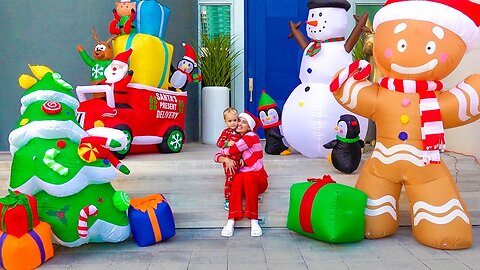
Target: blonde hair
x,y
229,110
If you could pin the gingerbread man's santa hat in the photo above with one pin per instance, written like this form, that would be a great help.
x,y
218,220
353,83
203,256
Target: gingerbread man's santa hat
x,y
459,16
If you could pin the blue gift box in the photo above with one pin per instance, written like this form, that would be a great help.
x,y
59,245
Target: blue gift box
x,y
151,220
152,18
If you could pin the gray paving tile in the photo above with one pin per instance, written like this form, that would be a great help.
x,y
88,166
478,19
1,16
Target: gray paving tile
x,y
208,234
327,265
278,242
246,242
202,244
208,266
286,266
314,255
354,251
472,263
172,256
246,255
47,266
403,265
209,256
169,266
365,264
63,258
247,266
96,257
129,266
95,266
135,257
283,255
445,264
392,253
427,253
176,245
185,234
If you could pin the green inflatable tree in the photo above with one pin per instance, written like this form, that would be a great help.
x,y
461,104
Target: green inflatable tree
x,y
71,183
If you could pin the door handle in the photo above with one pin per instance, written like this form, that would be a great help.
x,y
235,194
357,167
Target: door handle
x,y
250,89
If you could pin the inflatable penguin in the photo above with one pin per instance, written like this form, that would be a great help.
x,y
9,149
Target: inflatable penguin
x,y
183,74
270,115
347,148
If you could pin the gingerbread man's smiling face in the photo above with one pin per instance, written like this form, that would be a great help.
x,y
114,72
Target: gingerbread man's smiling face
x,y
416,50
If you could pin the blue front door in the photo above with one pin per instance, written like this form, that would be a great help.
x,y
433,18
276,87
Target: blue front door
x,y
272,60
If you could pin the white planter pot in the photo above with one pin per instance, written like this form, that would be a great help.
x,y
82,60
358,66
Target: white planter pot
x,y
215,100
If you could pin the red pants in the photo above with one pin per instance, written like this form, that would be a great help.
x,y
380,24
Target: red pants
x,y
229,175
250,184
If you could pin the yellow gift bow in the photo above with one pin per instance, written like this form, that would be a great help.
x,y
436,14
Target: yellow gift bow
x,y
149,204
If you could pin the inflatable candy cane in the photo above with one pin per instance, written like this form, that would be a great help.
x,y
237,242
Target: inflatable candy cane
x,y
87,211
360,70
49,160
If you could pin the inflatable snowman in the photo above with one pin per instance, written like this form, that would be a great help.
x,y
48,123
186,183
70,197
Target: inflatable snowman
x,y
310,113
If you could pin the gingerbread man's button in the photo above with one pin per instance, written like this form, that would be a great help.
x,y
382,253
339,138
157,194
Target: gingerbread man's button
x,y
404,119
406,102
403,136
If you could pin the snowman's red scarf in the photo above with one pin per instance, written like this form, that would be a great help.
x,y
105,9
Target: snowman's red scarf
x,y
433,137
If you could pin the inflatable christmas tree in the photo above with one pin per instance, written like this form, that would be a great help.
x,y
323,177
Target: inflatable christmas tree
x,y
51,161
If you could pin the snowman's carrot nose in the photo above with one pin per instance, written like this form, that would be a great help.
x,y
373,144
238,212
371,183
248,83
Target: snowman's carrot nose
x,y
312,23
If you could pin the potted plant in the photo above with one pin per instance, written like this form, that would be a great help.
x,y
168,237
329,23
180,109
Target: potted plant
x,y
217,66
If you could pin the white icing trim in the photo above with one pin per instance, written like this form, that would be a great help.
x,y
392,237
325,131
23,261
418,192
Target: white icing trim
x,y
436,209
441,220
46,129
86,176
48,95
100,231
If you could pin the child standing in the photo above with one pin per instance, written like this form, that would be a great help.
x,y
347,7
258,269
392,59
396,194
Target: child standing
x,y
228,138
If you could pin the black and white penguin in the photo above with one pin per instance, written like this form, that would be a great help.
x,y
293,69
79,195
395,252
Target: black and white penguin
x,y
270,115
347,148
183,74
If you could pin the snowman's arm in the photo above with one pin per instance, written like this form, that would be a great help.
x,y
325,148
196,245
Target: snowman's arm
x,y
299,37
460,105
356,32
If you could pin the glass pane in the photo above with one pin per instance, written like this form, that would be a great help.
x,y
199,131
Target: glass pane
x,y
215,20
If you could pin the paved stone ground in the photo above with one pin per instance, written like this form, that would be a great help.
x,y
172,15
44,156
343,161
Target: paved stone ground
x,y
197,249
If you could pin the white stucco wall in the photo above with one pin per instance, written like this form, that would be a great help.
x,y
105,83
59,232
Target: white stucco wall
x,y
464,139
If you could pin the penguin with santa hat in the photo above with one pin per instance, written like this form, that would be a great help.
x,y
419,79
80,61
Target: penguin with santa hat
x,y
183,74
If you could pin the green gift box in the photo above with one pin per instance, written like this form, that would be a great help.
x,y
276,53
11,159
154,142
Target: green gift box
x,y
327,211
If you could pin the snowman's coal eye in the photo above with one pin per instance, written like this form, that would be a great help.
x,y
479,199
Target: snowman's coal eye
x,y
430,47
320,14
312,15
402,45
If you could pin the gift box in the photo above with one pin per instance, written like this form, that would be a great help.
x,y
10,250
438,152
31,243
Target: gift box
x,y
152,18
327,211
26,252
151,220
150,60
18,213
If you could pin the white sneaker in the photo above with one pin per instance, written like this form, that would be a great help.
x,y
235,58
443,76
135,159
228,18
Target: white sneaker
x,y
255,229
227,230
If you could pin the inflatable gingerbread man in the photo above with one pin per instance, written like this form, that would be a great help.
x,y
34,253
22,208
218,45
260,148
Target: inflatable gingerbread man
x,y
417,43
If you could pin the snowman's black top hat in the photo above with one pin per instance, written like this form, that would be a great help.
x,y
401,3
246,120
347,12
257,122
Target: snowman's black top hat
x,y
328,3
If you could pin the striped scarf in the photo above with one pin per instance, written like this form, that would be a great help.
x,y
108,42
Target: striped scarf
x,y
433,139
317,45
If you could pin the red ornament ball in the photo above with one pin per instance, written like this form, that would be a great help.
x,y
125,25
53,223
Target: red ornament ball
x,y
51,107
61,144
